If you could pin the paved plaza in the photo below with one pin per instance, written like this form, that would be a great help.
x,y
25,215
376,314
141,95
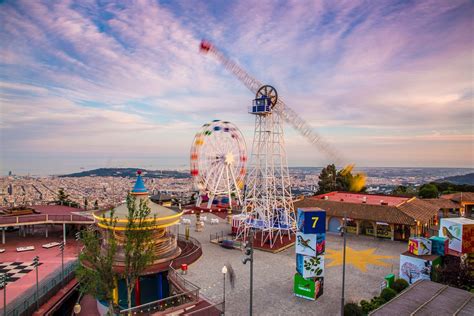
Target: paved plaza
x,y
369,260
50,259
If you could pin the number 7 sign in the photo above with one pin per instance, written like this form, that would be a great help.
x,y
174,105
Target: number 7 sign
x,y
311,221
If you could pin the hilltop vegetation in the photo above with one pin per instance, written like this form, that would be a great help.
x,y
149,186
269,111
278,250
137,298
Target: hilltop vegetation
x,y
128,172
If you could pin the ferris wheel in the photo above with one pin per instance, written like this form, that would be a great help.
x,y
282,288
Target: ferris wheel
x,y
218,162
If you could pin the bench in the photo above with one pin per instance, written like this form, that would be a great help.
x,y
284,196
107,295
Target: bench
x,y
51,245
214,221
27,248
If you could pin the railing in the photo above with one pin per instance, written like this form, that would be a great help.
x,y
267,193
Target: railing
x,y
211,310
190,257
44,218
25,304
164,304
190,294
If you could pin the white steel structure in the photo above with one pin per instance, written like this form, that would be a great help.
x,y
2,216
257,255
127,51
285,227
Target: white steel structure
x,y
268,202
218,159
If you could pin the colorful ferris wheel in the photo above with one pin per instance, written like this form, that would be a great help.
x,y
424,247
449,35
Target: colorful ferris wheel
x,y
218,162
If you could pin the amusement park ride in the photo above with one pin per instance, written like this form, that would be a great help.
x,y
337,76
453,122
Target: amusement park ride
x,y
268,205
218,157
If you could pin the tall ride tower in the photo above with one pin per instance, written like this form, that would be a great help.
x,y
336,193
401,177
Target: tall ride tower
x,y
268,205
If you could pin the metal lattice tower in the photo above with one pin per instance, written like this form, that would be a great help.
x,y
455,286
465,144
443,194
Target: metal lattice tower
x,y
268,205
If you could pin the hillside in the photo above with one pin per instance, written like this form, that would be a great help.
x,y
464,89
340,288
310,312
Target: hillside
x,y
462,179
128,172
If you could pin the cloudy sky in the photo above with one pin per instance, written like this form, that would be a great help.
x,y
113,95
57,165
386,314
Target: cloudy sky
x,y
122,83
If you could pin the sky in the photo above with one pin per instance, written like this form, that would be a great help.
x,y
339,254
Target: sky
x,y
88,84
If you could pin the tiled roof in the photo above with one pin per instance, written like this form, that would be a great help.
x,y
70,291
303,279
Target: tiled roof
x,y
375,199
443,203
378,213
459,197
418,209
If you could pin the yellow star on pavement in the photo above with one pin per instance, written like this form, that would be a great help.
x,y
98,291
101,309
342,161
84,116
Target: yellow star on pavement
x,y
357,258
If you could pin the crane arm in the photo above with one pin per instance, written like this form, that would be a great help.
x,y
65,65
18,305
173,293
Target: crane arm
x,y
251,83
290,116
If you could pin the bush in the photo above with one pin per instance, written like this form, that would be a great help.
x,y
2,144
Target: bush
x,y
352,309
388,293
367,307
399,285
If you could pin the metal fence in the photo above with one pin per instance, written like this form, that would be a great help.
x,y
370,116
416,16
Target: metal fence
x,y
25,304
211,310
44,218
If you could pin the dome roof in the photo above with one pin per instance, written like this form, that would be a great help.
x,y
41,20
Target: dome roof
x,y
164,216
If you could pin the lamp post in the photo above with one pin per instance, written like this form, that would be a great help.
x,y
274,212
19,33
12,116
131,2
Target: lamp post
x,y
36,264
3,283
343,231
224,272
249,257
61,247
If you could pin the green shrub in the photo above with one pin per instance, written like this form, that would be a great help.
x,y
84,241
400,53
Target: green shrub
x,y
388,293
399,285
352,309
367,307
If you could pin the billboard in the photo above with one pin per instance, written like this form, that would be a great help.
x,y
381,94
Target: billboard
x,y
310,244
413,268
309,267
460,233
309,289
311,221
419,246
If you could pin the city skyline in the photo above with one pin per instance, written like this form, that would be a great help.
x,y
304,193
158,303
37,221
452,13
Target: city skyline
x,y
108,85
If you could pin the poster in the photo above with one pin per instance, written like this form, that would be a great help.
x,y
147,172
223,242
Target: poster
x,y
310,244
414,268
309,289
311,221
310,267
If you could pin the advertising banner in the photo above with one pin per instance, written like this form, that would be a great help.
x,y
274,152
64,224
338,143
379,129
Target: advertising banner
x,y
309,289
310,267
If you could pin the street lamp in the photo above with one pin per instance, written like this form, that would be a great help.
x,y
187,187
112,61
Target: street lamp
x,y
3,283
224,272
61,247
249,257
36,264
343,232
77,309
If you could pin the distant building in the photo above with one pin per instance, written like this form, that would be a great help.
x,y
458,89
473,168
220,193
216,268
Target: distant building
x,y
384,216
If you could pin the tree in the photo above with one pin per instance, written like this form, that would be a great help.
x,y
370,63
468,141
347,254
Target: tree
x,y
456,272
406,191
327,179
343,180
95,272
428,191
139,242
62,197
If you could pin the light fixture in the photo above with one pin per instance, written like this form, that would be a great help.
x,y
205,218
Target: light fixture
x,y
77,309
224,269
